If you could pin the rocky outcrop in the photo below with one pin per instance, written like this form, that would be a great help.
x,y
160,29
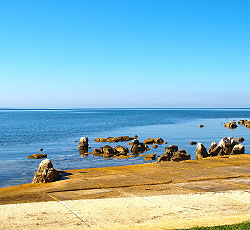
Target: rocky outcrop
x,y
173,154
108,151
226,146
231,125
38,156
201,151
115,139
83,144
46,173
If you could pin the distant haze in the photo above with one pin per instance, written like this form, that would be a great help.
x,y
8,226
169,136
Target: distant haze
x,y
124,53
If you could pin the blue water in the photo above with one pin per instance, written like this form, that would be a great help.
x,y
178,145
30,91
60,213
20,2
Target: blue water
x,y
24,132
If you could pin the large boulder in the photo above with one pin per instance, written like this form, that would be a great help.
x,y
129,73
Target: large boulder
x,y
201,151
46,173
38,156
238,149
83,144
150,157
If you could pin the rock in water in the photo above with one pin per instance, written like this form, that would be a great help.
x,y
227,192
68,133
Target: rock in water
x,y
37,156
83,144
238,149
201,151
46,173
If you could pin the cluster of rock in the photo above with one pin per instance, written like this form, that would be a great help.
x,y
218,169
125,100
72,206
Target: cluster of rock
x,y
231,125
108,151
151,141
226,146
246,123
138,147
173,154
46,173
115,139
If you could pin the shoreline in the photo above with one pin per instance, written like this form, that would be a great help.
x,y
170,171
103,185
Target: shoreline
x,y
134,177
206,192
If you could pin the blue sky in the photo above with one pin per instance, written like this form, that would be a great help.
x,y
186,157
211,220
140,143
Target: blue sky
x,y
124,53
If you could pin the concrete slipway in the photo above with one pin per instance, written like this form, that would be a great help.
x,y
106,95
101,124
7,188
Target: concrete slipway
x,y
164,195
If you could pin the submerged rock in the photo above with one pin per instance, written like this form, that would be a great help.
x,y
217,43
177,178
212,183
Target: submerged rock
x,y
37,156
46,173
150,157
115,139
155,146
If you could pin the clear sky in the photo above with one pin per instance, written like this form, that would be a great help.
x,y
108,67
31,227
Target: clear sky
x,y
124,53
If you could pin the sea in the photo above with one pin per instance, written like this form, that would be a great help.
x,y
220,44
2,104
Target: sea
x,y
24,131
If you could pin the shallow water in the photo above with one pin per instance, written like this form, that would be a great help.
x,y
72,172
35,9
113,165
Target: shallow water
x,y
24,132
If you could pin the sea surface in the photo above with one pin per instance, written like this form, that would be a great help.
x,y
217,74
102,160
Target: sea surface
x,y
24,131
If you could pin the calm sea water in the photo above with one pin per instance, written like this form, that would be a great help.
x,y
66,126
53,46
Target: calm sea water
x,y
24,132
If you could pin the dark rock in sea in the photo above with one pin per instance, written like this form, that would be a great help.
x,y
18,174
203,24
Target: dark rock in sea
x,y
201,151
201,126
41,149
149,141
83,144
231,125
115,139
159,141
46,173
247,123
171,148
155,146
121,150
38,156
75,140
241,122
193,143
241,139
165,143
138,147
